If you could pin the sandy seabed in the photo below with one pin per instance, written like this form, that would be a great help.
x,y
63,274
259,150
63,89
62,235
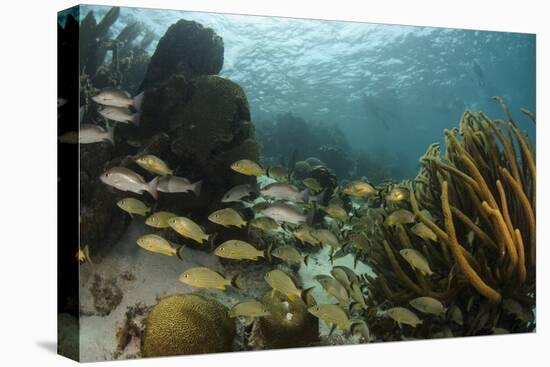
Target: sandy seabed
x,y
131,279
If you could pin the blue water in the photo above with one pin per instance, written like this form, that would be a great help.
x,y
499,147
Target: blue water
x,y
418,79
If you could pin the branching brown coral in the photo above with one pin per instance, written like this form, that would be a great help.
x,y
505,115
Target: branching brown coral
x,y
478,197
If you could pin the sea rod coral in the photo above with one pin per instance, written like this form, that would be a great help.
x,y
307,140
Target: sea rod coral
x,y
479,202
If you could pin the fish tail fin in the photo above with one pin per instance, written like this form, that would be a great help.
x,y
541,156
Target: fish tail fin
x,y
235,282
88,259
111,133
305,296
268,252
136,118
179,252
138,101
197,186
320,197
152,187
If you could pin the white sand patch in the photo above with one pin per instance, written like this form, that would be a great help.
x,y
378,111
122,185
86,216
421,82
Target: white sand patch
x,y
155,276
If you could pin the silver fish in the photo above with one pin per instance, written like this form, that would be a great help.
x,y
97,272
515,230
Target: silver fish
x,y
124,179
282,191
283,212
120,114
118,98
173,184
90,133
238,193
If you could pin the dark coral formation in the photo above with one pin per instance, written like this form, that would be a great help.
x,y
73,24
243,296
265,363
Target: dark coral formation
x,y
207,119
187,48
187,324
101,222
196,122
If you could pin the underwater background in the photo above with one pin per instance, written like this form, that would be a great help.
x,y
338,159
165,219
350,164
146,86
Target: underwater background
x,y
417,79
353,106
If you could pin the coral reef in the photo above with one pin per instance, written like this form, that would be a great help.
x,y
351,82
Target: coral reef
x,y
462,233
105,61
289,325
187,48
101,222
479,200
209,131
187,324
108,61
186,116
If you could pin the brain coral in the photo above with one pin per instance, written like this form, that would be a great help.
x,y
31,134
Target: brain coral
x,y
187,324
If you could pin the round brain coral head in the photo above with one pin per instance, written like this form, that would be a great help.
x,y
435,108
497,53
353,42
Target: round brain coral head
x,y
187,324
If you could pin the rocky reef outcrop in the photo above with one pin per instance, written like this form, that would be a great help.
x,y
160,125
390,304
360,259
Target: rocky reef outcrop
x,y
206,117
187,48
196,121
